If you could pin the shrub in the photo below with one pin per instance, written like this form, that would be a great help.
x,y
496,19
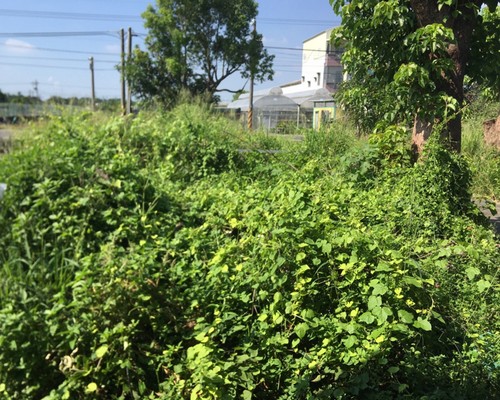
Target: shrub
x,y
154,260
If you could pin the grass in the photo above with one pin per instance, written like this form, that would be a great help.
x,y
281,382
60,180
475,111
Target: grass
x,y
484,161
132,249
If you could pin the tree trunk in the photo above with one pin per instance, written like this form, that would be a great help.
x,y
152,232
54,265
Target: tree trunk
x,y
421,133
462,20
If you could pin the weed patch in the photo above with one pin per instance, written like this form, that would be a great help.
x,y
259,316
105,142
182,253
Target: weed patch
x,y
151,258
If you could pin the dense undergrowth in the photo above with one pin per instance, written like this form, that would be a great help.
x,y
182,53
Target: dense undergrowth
x,y
162,257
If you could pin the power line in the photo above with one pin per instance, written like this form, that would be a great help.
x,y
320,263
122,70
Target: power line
x,y
53,84
60,59
57,50
68,15
284,21
58,34
122,17
301,49
53,66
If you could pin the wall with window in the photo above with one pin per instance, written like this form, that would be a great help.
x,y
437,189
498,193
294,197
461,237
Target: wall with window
x,y
314,52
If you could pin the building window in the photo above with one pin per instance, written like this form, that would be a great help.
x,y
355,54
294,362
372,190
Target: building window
x,y
334,77
308,83
319,78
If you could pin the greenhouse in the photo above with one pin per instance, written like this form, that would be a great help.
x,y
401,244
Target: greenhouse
x,y
275,112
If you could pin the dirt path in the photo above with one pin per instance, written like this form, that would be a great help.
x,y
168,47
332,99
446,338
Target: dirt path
x,y
5,133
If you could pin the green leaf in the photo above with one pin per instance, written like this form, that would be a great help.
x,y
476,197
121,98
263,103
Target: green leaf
x,y
482,285
423,324
198,351
402,387
350,341
300,256
367,317
379,289
381,313
91,387
201,337
247,395
307,314
374,301
99,353
301,329
472,272
405,316
383,267
417,282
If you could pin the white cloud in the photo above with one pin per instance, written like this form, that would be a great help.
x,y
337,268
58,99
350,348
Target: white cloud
x,y
112,48
275,41
52,81
18,46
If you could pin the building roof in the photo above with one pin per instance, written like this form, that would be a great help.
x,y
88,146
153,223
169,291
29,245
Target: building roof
x,y
305,98
275,101
319,34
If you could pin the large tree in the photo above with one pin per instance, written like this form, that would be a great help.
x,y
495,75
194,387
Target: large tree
x,y
408,59
196,45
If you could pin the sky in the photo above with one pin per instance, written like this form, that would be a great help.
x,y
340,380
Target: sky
x,y
45,46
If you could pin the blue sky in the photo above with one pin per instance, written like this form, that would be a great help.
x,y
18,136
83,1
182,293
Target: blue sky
x,y
59,63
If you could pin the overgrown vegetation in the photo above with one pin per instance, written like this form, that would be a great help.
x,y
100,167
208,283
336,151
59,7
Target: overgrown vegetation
x,y
161,257
483,159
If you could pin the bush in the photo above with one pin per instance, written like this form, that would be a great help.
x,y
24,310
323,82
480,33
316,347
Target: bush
x,y
148,258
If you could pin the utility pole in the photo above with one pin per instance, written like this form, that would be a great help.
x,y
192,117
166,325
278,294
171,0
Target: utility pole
x,y
92,83
123,95
35,88
129,56
252,68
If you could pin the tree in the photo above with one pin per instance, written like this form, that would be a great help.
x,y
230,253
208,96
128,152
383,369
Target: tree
x,y
195,45
408,59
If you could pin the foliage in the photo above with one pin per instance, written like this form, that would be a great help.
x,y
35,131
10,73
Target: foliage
x,y
18,98
152,258
100,104
410,58
487,75
196,45
484,159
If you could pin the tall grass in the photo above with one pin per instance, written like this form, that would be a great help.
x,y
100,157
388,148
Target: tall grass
x,y
484,161
332,141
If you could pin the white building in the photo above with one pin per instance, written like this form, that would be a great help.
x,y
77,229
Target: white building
x,y
321,76
321,67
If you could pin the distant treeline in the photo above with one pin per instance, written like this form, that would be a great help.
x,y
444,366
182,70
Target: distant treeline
x,y
19,98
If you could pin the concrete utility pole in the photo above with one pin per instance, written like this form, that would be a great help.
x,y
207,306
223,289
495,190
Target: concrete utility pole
x,y
123,95
35,88
129,56
92,83
250,105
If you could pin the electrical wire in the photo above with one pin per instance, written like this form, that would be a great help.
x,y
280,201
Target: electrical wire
x,y
284,21
60,59
43,84
57,34
68,15
57,50
54,66
121,17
